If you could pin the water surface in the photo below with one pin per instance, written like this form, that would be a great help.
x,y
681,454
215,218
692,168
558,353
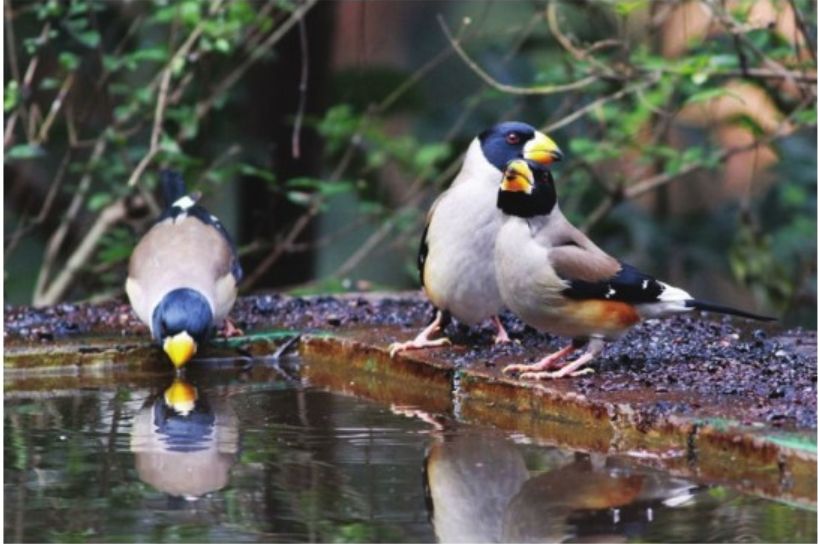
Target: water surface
x,y
220,456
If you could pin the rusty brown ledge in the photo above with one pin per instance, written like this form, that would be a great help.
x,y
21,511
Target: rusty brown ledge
x,y
703,447
715,443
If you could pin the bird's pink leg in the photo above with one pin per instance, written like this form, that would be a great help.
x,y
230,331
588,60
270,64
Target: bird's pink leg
x,y
572,369
546,363
229,329
502,336
422,340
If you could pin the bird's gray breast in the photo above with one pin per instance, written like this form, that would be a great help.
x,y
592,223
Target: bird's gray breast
x,y
459,272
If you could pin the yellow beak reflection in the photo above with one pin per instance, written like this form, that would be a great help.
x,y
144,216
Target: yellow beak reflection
x,y
180,348
181,396
542,149
518,178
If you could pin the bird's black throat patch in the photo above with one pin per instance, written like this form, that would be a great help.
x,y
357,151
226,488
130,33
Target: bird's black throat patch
x,y
539,202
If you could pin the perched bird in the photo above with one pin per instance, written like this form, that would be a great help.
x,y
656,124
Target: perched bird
x,y
455,258
557,280
183,273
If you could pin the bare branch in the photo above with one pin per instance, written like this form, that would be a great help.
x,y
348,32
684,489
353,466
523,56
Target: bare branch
x,y
58,237
56,105
158,119
205,105
511,89
576,114
804,29
653,182
302,89
108,217
44,209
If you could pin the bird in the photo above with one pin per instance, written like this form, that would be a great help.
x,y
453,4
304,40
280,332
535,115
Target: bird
x,y
183,273
555,279
455,256
469,478
183,442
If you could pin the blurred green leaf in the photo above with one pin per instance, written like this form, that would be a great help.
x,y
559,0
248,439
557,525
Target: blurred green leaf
x,y
11,96
25,151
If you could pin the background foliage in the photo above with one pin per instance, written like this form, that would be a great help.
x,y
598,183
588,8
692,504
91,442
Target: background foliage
x,y
320,133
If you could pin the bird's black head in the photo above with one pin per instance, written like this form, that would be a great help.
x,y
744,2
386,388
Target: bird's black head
x,y
181,321
527,189
513,140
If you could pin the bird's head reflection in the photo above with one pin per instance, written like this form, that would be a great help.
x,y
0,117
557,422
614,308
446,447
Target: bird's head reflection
x,y
184,444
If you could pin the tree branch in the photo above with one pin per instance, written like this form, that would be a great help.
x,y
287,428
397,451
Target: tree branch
x,y
511,89
158,119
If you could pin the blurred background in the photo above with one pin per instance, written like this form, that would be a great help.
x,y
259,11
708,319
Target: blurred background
x,y
320,132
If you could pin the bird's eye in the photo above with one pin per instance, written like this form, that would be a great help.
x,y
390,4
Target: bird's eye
x,y
512,138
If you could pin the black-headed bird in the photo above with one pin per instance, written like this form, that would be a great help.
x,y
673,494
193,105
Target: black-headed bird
x,y
558,281
184,444
455,258
183,273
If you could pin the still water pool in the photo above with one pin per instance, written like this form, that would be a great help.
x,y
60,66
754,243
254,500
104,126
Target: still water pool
x,y
222,456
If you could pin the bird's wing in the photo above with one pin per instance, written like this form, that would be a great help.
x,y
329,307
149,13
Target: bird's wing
x,y
423,250
202,214
593,274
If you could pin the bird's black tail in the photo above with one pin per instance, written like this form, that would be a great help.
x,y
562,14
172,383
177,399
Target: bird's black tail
x,y
709,307
173,186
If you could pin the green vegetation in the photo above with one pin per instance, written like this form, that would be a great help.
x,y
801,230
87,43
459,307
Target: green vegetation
x,y
689,129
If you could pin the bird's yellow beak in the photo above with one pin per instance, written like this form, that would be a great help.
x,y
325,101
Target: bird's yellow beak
x,y
542,149
180,348
517,178
181,396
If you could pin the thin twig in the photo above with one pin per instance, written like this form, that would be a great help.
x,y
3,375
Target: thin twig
x,y
111,215
511,89
576,114
11,42
653,182
158,119
56,105
804,29
50,197
304,220
203,106
56,240
302,89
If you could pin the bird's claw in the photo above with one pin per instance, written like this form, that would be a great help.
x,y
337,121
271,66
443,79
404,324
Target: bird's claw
x,y
230,330
555,375
397,347
502,338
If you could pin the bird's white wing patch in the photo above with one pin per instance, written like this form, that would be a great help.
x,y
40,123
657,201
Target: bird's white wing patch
x,y
671,301
184,203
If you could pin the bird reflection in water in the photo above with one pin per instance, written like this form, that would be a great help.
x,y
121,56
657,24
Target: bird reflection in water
x,y
183,443
479,490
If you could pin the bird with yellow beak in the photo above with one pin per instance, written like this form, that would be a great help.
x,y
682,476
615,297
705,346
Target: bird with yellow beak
x,y
183,273
456,257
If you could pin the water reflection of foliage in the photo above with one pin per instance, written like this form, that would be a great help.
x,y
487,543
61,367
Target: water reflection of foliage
x,y
76,480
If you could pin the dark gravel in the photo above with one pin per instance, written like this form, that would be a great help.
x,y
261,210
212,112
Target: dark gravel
x,y
771,373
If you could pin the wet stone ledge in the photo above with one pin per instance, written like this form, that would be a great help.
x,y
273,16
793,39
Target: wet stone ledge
x,y
714,399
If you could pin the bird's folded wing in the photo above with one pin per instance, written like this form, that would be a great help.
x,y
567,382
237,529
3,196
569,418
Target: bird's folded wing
x,y
423,250
589,277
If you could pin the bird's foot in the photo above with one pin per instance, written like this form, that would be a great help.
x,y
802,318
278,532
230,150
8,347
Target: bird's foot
x,y
502,336
556,374
549,362
417,343
230,330
571,370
